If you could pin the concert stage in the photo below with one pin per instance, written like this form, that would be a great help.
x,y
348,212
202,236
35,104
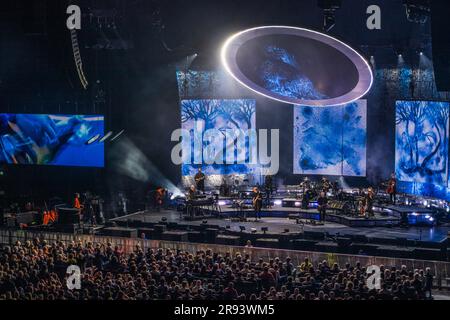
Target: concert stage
x,y
283,230
312,215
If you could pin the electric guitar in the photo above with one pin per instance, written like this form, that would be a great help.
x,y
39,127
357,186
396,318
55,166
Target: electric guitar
x,y
256,198
197,180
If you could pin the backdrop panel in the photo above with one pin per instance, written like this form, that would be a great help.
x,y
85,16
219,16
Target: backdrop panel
x,y
330,140
421,142
219,114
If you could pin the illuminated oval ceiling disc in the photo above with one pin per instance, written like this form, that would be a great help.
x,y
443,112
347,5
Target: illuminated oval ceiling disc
x,y
297,66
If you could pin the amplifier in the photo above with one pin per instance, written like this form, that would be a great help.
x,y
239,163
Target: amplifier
x,y
28,218
68,215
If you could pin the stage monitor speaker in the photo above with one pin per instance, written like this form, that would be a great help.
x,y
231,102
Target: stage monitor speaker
x,y
121,232
159,228
228,240
344,242
441,43
181,236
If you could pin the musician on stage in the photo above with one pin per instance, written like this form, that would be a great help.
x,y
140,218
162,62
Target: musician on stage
x,y
392,188
268,186
200,180
369,199
257,203
322,201
88,209
76,202
305,184
325,185
160,194
192,193
77,205
305,199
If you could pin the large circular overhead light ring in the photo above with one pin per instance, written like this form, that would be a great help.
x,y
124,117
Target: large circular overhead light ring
x,y
363,79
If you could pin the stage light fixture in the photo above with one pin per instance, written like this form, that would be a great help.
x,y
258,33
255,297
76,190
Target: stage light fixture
x,y
253,230
222,203
204,221
242,228
417,11
329,8
321,72
286,230
264,229
117,135
297,203
109,134
278,202
93,139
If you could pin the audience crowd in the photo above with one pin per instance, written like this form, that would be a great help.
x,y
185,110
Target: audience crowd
x,y
38,271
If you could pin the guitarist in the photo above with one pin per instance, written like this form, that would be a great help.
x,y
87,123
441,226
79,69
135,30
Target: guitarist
x,y
369,200
200,180
392,188
257,203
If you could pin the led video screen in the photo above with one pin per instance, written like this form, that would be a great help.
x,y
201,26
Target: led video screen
x,y
296,66
50,139
199,116
330,140
421,141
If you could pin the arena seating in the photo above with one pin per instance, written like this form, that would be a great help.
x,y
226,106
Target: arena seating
x,y
36,270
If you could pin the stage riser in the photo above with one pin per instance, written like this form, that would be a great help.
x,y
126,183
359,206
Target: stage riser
x,y
120,232
329,217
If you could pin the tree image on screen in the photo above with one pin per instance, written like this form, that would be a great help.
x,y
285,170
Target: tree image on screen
x,y
44,139
282,74
222,115
421,144
330,140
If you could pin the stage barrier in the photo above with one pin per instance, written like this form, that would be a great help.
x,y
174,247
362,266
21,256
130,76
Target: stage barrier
x,y
439,268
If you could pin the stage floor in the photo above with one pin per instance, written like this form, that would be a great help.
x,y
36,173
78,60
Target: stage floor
x,y
277,226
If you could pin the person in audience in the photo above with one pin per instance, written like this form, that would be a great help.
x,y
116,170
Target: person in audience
x,y
36,270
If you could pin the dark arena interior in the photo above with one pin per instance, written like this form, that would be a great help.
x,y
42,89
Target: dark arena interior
x,y
208,150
